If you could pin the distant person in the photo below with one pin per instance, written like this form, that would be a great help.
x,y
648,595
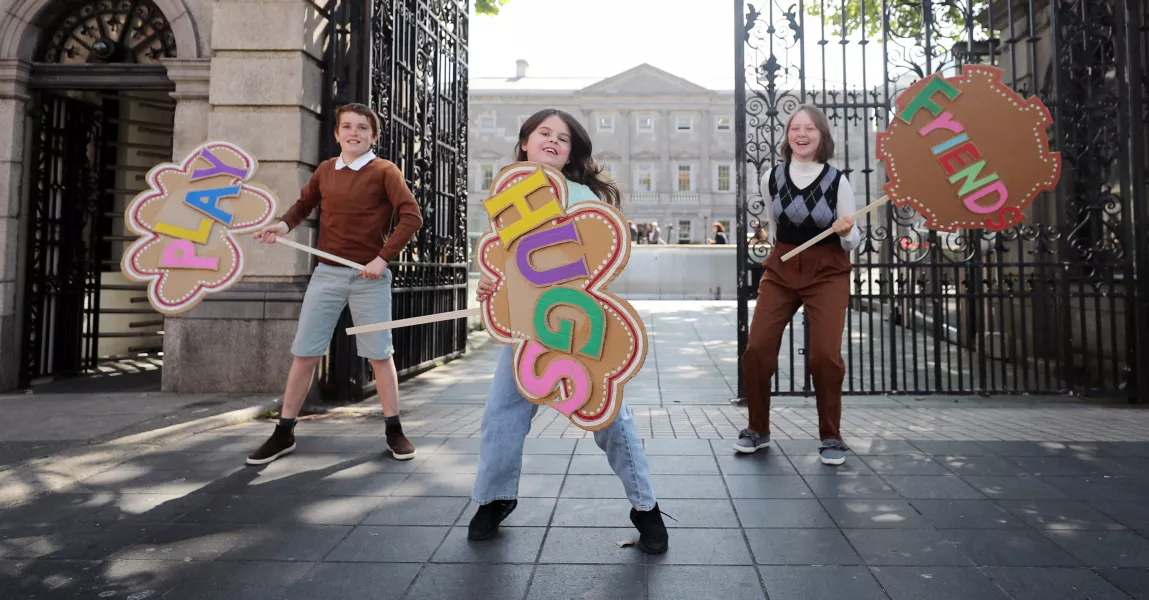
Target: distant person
x,y
719,234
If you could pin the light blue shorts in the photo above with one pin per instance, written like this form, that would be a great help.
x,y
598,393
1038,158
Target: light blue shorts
x,y
332,288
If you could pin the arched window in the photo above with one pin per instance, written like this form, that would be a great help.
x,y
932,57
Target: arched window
x,y
109,31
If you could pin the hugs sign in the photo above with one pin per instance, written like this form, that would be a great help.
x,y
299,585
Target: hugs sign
x,y
967,151
576,344
188,221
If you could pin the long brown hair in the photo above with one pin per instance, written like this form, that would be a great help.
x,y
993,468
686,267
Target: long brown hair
x,y
825,144
581,168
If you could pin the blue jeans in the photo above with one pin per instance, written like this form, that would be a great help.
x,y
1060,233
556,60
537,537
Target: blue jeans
x,y
506,423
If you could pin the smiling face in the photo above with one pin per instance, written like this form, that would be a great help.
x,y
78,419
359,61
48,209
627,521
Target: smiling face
x,y
549,143
803,137
354,134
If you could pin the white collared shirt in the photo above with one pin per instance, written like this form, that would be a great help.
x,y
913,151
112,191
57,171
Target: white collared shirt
x,y
357,164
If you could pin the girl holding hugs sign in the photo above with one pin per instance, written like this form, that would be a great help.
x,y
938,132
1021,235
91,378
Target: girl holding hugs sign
x,y
556,139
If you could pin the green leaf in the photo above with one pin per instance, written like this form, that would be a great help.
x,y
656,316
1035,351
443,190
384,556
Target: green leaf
x,y
489,7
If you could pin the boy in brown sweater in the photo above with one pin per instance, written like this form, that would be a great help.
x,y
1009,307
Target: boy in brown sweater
x,y
359,194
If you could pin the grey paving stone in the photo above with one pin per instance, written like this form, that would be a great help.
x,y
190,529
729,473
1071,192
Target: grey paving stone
x,y
869,514
286,543
856,486
530,512
459,446
1015,488
511,545
49,579
904,464
698,513
586,512
682,465
380,581
54,508
590,582
945,487
247,580
86,542
1130,514
804,583
359,484
982,465
759,463
449,463
545,464
471,582
1101,489
593,486
182,542
1065,466
801,547
553,447
122,579
147,508
906,547
966,514
437,484
388,544
879,447
330,510
692,583
591,546
1104,548
1134,582
812,465
952,448
1010,548
937,583
1053,584
689,486
704,547
407,510
678,447
1059,514
15,537
767,486
589,464
541,486
785,513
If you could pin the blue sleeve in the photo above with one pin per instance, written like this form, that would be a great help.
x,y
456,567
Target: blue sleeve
x,y
577,192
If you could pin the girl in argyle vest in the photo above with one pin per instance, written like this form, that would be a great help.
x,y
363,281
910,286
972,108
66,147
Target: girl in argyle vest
x,y
806,196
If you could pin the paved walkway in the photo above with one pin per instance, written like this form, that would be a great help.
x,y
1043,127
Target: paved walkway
x,y
941,498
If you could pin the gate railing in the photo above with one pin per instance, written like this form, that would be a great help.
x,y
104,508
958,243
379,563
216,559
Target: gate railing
x,y
1054,305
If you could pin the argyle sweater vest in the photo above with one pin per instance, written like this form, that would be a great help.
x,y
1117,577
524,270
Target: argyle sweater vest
x,y
802,213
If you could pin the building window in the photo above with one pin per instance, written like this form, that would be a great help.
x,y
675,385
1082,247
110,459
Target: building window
x,y
644,180
723,179
607,170
487,123
684,178
646,123
684,123
486,176
684,231
723,124
606,123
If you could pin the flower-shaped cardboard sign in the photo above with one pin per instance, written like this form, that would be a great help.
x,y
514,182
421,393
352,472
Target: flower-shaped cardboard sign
x,y
576,344
187,221
967,151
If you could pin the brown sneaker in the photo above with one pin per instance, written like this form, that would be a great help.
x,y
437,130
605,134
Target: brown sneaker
x,y
401,448
281,443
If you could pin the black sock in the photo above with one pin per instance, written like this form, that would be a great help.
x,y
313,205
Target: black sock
x,y
391,420
288,423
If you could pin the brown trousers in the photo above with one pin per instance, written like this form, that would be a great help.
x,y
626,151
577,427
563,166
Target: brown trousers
x,y
818,278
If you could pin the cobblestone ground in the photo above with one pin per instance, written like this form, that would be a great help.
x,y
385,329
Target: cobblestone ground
x,y
940,498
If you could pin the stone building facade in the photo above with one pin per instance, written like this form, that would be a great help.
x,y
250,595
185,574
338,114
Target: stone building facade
x,y
92,94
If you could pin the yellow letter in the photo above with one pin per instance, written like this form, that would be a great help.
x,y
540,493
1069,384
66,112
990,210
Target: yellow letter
x,y
516,196
198,236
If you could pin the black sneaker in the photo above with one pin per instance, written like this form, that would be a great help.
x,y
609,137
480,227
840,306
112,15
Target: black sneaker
x,y
485,524
401,448
652,538
281,443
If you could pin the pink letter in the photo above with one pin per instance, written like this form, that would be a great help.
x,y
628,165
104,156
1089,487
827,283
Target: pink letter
x,y
180,254
944,121
557,370
970,201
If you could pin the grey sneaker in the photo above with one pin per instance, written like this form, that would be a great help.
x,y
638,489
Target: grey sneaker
x,y
749,441
833,452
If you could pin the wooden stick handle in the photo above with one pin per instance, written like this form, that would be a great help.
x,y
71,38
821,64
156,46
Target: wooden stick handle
x,y
456,314
342,261
821,236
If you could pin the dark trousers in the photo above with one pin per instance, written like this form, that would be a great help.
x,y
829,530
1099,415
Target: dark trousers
x,y
819,279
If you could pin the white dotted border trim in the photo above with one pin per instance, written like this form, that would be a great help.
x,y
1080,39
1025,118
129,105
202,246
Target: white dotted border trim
x,y
1047,158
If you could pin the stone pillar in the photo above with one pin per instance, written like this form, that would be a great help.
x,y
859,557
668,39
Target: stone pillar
x,y
191,77
626,128
706,136
265,95
14,157
668,179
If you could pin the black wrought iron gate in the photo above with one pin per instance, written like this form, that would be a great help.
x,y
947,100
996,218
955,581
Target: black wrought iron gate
x,y
407,59
1058,304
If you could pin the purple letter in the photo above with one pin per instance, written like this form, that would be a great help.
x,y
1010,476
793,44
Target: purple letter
x,y
542,239
217,167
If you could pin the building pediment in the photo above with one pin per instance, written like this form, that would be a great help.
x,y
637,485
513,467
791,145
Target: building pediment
x,y
644,80
645,155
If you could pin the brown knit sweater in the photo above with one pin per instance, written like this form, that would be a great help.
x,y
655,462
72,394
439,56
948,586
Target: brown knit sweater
x,y
357,209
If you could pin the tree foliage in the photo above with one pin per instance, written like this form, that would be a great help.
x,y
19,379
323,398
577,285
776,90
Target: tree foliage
x,y
489,7
906,17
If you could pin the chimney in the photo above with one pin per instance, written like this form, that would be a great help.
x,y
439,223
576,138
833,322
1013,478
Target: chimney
x,y
521,68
